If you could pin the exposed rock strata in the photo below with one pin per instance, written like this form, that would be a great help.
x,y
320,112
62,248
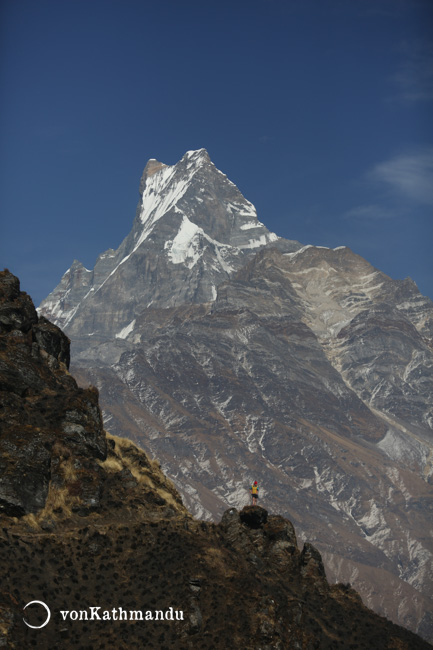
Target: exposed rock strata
x,y
230,353
109,532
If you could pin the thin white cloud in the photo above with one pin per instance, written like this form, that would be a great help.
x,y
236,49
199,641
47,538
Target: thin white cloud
x,y
395,187
371,211
409,176
414,78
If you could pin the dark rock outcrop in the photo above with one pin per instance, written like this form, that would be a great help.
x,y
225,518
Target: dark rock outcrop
x,y
254,516
42,406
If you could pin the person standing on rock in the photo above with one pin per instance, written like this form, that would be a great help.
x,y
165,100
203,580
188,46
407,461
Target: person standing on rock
x,y
254,489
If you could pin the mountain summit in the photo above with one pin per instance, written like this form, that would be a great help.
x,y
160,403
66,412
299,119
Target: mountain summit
x,y
231,354
192,229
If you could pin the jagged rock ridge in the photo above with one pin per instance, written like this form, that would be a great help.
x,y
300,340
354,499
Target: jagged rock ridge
x,y
301,366
192,229
109,534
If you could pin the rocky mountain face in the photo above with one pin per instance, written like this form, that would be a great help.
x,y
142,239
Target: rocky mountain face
x,y
231,355
92,530
192,229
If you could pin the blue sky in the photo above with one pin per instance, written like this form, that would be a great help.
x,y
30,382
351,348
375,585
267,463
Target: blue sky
x,y
319,110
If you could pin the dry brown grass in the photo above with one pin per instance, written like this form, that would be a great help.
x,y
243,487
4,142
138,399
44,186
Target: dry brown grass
x,y
31,520
58,506
60,499
146,471
111,465
64,495
59,502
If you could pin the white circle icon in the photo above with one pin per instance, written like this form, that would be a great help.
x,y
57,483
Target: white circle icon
x,y
39,602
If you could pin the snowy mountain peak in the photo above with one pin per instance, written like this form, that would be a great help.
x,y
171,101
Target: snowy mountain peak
x,y
151,168
197,155
191,159
202,196
165,184
193,228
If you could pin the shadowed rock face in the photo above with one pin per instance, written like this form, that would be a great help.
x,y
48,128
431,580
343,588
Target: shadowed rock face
x,y
105,534
42,405
231,354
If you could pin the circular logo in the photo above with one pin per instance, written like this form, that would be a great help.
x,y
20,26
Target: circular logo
x,y
39,602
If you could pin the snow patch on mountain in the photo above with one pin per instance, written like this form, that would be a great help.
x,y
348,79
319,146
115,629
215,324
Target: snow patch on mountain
x,y
262,241
395,476
400,446
160,194
187,248
299,251
245,209
184,247
126,330
249,225
374,526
